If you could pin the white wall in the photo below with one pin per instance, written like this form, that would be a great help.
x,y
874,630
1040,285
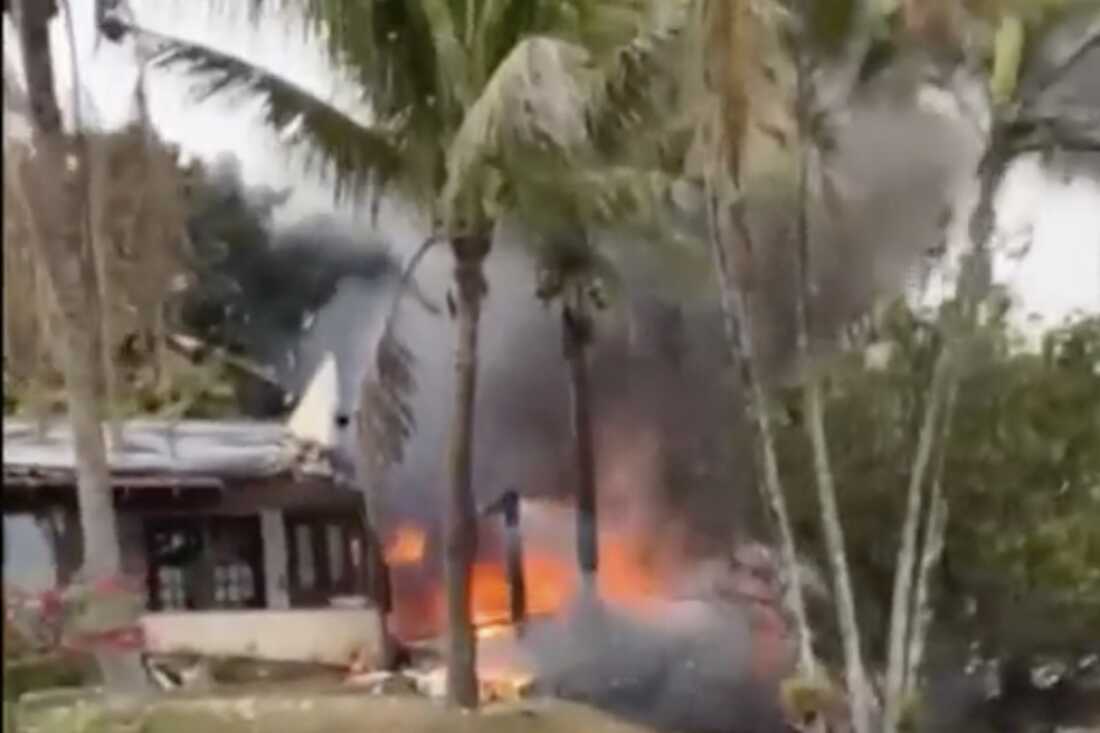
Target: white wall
x,y
326,636
276,560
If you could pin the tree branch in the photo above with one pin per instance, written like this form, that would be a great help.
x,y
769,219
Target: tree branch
x,y
1038,84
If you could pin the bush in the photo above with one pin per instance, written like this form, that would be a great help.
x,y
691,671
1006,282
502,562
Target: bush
x,y
48,671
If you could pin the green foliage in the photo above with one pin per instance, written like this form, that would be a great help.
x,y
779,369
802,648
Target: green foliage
x,y
461,96
357,155
806,699
1021,473
47,672
1007,57
831,22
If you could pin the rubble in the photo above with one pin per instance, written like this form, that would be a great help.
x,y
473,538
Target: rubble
x,y
432,683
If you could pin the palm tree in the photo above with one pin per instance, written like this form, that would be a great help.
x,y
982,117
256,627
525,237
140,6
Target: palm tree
x,y
57,194
1021,119
731,34
855,671
573,273
468,101
760,131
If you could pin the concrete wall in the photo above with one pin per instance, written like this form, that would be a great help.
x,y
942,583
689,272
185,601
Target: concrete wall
x,y
326,636
276,561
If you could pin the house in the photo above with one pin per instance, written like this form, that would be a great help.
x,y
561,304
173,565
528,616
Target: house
x,y
250,535
211,514
215,516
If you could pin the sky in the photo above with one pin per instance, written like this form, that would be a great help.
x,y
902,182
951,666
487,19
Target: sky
x,y
1059,274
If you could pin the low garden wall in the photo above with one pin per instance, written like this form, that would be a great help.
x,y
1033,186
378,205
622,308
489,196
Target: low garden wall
x,y
332,636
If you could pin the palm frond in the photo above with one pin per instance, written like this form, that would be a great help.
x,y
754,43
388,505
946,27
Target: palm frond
x,y
569,258
606,25
389,47
624,198
449,49
533,102
352,153
386,418
636,85
748,82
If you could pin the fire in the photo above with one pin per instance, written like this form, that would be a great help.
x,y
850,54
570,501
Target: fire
x,y
624,576
407,546
551,578
549,583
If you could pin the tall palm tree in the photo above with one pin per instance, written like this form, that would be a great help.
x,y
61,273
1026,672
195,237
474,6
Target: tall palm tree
x,y
58,200
573,273
760,130
1014,72
468,101
734,37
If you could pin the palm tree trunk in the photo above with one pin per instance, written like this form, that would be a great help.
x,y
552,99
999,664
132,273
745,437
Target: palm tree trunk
x,y
855,672
461,527
577,336
974,284
900,620
737,323
59,199
935,530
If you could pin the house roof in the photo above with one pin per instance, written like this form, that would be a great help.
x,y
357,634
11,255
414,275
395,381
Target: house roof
x,y
184,449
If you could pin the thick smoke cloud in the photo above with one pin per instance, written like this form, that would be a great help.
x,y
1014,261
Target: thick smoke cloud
x,y
896,169
279,294
659,367
685,667
669,438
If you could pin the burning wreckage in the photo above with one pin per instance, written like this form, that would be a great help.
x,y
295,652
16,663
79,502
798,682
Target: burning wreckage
x,y
250,542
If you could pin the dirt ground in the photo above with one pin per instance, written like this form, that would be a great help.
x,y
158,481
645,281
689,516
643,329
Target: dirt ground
x,y
304,713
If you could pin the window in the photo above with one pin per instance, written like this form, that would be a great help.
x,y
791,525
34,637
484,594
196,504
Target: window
x,y
234,585
172,590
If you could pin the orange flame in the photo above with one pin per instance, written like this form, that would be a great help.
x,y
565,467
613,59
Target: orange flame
x,y
551,578
407,546
549,583
552,581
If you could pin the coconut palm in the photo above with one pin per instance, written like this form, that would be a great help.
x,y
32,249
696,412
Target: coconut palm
x,y
739,101
1016,70
473,109
57,201
763,126
573,273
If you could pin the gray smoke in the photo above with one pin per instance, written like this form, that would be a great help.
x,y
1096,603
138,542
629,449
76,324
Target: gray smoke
x,y
683,667
894,173
895,166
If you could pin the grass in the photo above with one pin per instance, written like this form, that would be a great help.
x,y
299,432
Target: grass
x,y
336,712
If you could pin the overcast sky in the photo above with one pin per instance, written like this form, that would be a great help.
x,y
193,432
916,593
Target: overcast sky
x,y
1059,274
